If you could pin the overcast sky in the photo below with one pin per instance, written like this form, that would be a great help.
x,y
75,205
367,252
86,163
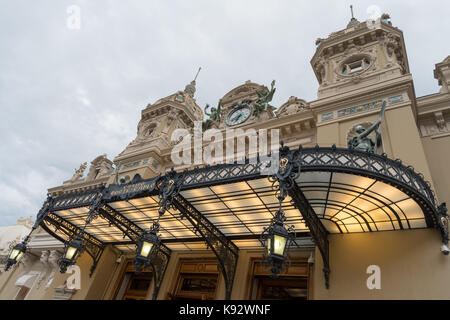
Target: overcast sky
x,y
69,95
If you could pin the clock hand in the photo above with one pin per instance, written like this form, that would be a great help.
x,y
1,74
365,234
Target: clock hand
x,y
237,117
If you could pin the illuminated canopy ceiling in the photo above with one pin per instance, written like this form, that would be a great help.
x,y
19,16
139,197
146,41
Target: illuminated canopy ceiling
x,y
349,192
226,207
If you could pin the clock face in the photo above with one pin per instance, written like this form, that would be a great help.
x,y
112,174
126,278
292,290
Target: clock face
x,y
239,114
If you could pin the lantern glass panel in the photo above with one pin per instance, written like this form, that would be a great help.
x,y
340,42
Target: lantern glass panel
x,y
279,244
14,254
71,253
146,248
269,244
19,256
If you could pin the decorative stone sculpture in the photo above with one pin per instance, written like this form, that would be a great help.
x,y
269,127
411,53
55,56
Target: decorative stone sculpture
x,y
362,141
44,260
292,106
264,97
214,116
79,172
53,259
171,117
27,222
99,166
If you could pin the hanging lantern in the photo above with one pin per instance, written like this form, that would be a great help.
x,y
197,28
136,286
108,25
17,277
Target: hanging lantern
x,y
276,240
72,250
147,248
19,250
16,254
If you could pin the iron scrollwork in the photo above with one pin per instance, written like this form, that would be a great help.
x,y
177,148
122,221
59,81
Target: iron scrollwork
x,y
443,223
133,231
283,183
318,232
159,267
92,245
94,251
226,251
288,171
168,189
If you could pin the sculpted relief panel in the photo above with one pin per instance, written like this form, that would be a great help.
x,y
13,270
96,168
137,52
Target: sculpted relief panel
x,y
292,106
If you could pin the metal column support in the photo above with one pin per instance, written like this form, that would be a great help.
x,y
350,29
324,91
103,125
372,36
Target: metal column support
x,y
283,182
225,250
315,226
159,267
442,219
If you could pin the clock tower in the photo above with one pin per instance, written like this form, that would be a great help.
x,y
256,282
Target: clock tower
x,y
358,68
239,107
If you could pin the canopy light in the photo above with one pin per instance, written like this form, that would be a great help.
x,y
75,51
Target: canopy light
x,y
147,248
276,239
16,254
72,251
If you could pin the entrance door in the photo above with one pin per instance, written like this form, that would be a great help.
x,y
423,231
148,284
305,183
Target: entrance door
x,y
137,287
197,280
132,286
282,289
293,283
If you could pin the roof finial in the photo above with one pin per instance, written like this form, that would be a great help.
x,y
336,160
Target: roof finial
x,y
353,21
190,88
200,68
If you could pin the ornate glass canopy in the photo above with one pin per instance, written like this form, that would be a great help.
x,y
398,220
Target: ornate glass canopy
x,y
226,207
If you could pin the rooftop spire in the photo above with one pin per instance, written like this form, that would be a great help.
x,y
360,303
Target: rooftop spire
x,y
200,68
190,88
353,21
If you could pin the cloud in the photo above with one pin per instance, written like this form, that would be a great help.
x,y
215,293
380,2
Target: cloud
x,y
67,96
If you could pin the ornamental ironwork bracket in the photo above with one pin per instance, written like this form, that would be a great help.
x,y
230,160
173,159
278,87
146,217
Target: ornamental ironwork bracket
x,y
225,250
442,218
283,182
43,212
93,246
133,231
318,232
126,226
159,267
169,187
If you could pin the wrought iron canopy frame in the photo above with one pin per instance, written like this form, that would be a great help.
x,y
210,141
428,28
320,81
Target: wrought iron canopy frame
x,y
377,167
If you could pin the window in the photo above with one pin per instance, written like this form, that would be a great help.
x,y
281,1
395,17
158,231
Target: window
x,y
354,65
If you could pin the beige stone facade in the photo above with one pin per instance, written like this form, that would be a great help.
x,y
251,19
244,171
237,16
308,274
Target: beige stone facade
x,y
356,68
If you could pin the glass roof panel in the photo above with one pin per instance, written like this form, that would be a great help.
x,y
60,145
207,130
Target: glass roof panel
x,y
344,203
388,192
352,180
411,209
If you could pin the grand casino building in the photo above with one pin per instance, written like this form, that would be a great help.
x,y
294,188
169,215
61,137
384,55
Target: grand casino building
x,y
367,224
